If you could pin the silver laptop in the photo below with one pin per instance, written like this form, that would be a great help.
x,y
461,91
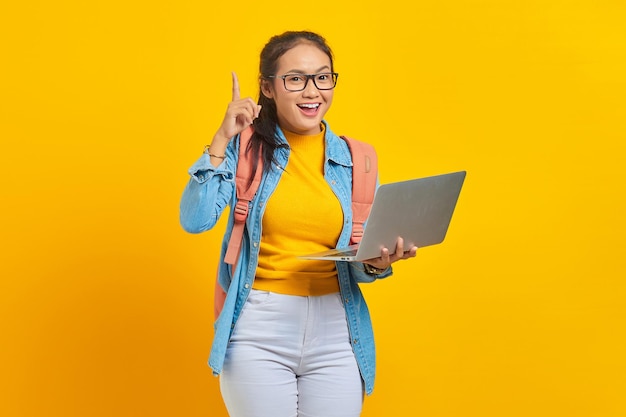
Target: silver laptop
x,y
417,210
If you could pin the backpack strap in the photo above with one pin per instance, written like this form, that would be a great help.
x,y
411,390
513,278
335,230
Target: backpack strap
x,y
364,177
245,193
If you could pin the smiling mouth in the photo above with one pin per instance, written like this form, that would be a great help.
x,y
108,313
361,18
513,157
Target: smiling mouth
x,y
309,109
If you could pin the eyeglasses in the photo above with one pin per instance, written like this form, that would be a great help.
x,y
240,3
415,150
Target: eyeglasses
x,y
298,82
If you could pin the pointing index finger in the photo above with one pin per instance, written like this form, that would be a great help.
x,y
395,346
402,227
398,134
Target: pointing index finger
x,y
235,87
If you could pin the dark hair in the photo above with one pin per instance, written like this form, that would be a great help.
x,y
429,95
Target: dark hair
x,y
265,125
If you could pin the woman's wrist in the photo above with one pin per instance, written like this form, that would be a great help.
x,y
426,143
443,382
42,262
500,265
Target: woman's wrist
x,y
211,153
217,147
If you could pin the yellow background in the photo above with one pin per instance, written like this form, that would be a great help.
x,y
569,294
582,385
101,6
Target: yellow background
x,y
105,302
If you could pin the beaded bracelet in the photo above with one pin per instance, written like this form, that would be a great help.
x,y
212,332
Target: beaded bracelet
x,y
371,270
207,150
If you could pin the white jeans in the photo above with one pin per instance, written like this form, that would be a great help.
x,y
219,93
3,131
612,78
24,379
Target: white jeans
x,y
290,356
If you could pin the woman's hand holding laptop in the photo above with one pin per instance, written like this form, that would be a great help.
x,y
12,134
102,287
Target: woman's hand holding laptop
x,y
387,258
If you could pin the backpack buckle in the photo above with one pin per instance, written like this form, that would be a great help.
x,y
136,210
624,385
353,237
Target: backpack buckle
x,y
357,232
241,211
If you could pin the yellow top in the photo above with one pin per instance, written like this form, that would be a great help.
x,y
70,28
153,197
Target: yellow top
x,y
302,216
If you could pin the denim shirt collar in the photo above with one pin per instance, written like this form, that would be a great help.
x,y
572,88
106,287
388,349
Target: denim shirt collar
x,y
337,150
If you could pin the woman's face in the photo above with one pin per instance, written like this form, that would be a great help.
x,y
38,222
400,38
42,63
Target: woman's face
x,y
300,112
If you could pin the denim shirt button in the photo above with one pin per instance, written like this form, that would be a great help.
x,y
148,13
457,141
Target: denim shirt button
x,y
355,341
247,286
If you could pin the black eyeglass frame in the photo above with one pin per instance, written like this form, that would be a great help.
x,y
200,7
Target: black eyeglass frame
x,y
335,76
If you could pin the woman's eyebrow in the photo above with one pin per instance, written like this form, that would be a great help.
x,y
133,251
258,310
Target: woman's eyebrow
x,y
297,71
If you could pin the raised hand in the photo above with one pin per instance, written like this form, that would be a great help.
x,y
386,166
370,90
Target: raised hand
x,y
240,113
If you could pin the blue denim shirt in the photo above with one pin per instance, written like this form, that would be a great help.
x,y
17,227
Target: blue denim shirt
x,y
211,189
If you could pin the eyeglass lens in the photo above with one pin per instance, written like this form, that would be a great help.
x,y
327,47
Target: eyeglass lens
x,y
298,82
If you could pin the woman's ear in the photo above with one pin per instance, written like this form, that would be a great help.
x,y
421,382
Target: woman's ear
x,y
266,89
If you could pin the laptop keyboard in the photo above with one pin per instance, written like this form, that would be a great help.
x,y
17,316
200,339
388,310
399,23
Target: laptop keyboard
x,y
348,252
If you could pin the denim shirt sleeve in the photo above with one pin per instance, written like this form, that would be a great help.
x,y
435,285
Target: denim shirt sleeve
x,y
208,192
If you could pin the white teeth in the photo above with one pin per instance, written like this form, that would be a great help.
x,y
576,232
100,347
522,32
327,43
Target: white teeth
x,y
309,106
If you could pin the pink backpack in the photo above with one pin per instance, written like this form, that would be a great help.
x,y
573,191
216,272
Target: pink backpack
x,y
364,177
